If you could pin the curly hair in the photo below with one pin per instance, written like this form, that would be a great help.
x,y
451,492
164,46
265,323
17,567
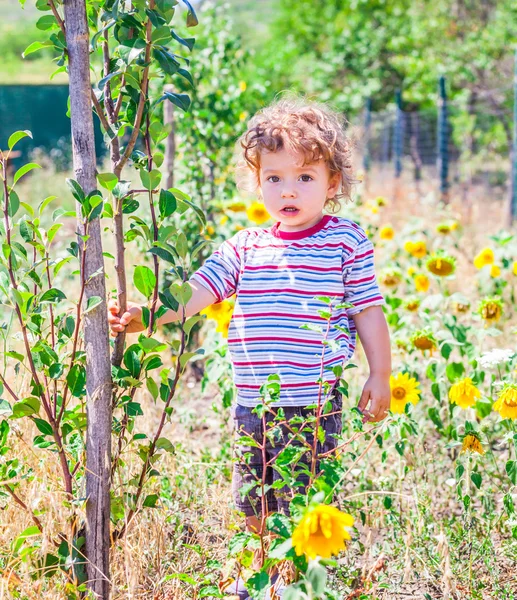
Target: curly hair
x,y
297,125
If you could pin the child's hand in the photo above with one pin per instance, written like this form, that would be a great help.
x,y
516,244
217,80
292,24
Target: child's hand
x,y
377,392
130,321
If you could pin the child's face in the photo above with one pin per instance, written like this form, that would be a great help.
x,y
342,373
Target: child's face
x,y
292,194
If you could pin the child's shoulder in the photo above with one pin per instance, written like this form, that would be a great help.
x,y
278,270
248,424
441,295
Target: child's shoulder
x,y
344,226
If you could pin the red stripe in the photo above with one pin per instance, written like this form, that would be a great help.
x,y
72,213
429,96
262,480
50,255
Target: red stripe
x,y
281,339
282,267
287,290
282,363
279,314
356,281
374,299
212,288
284,385
297,245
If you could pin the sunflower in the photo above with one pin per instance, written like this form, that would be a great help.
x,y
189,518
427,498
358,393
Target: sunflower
x,y
322,532
223,325
412,304
472,444
387,232
422,283
443,228
411,271
401,343
464,393
491,309
441,265
218,310
484,258
224,220
506,404
257,213
461,307
380,201
404,389
236,206
495,271
416,249
423,339
390,277
514,268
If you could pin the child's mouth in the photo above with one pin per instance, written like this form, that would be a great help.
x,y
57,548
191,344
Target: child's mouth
x,y
290,210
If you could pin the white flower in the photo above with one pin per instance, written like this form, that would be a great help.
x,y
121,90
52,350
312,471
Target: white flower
x,y
495,357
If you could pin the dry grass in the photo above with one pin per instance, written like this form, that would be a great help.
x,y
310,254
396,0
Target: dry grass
x,y
416,549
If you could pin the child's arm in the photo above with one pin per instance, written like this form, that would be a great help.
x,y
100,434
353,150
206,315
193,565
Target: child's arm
x,y
375,338
131,320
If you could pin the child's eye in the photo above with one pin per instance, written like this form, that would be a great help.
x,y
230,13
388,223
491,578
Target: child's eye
x,y
269,178
310,178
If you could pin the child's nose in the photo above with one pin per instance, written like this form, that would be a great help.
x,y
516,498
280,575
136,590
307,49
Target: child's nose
x,y
288,193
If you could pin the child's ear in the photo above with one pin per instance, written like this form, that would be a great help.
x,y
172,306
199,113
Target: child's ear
x,y
334,183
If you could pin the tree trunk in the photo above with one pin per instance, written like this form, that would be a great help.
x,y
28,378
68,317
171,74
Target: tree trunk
x,y
170,143
96,335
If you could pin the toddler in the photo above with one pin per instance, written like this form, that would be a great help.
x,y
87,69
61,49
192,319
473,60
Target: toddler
x,y
297,158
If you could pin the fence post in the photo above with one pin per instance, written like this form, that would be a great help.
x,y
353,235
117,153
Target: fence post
x,y
367,133
512,208
397,137
443,142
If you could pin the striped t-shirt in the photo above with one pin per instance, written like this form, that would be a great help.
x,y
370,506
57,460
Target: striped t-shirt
x,y
276,276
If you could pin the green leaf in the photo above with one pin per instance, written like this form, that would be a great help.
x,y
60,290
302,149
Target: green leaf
x,y
152,386
192,19
476,479
35,46
43,426
279,524
5,410
180,100
77,190
52,295
132,362
317,577
151,500
238,542
56,370
93,301
454,371
16,137
257,585
511,470
107,180
166,61
24,170
280,550
46,22
51,233
29,406
161,35
27,533
164,444
167,204
184,358
150,179
14,203
76,380
144,280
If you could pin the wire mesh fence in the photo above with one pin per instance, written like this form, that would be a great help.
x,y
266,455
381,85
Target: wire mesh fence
x,y
456,148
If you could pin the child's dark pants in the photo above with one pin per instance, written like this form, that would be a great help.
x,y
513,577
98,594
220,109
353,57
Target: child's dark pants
x,y
247,471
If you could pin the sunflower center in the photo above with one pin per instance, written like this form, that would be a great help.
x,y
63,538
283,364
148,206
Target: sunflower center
x,y
399,393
